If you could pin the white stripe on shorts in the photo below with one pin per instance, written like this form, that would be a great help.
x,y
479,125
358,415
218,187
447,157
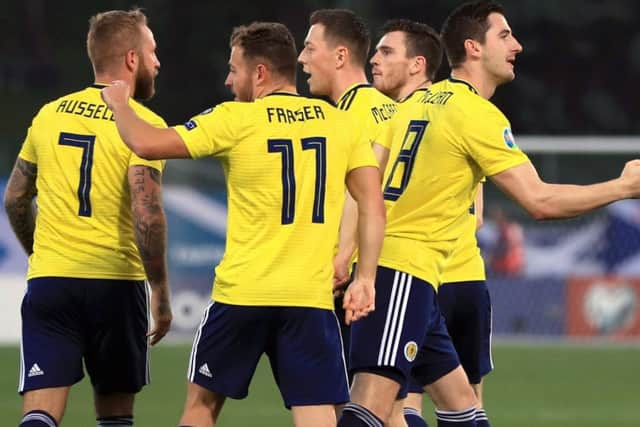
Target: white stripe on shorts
x,y
194,348
395,319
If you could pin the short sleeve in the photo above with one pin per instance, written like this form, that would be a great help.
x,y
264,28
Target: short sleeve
x,y
384,134
157,121
28,150
213,132
491,143
137,161
361,152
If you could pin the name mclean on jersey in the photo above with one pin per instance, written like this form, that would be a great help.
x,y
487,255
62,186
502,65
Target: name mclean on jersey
x,y
86,109
284,115
383,112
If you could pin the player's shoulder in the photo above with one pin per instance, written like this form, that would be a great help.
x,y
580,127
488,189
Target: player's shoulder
x,y
376,96
61,102
147,113
462,99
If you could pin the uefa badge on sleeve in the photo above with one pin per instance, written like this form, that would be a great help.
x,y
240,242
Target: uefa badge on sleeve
x,y
410,351
508,138
191,125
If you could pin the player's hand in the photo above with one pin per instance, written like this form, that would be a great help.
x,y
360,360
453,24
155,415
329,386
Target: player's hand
x,y
115,95
631,177
161,313
340,276
359,300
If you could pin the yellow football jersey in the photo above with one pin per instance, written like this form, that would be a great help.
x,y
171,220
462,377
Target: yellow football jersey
x,y
465,262
84,226
285,159
445,140
371,109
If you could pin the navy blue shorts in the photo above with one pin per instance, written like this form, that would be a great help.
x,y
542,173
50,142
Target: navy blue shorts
x,y
405,335
303,345
104,322
466,307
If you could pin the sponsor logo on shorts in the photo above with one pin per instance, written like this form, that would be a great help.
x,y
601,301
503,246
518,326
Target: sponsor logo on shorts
x,y
35,371
410,350
204,370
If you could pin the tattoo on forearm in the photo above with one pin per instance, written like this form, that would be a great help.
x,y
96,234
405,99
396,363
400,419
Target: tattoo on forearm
x,y
149,222
19,194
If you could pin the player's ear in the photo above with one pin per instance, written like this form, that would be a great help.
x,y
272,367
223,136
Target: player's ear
x,y
261,73
418,65
131,59
472,47
342,56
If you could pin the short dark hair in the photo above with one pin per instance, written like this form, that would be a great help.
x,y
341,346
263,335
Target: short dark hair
x,y
344,26
467,21
268,41
420,40
113,33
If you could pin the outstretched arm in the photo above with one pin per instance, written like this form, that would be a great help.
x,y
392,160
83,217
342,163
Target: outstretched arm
x,y
150,227
554,201
147,141
18,198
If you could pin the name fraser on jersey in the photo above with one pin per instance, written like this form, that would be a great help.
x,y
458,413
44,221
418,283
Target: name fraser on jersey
x,y
302,114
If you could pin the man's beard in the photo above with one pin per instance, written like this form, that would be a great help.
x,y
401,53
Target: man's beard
x,y
145,84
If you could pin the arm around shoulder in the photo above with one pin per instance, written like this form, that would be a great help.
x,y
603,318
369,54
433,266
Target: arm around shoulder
x,y
147,141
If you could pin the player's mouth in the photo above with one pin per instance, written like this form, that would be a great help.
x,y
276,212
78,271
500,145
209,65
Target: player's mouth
x,y
512,61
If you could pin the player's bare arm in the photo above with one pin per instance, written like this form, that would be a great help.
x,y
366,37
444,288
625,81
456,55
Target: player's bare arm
x,y
552,201
478,206
18,197
347,242
147,141
364,185
150,227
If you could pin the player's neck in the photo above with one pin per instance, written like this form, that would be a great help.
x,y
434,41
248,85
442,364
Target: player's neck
x,y
411,86
280,87
345,79
476,78
108,78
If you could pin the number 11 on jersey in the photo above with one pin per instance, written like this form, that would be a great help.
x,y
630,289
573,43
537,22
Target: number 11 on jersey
x,y
285,148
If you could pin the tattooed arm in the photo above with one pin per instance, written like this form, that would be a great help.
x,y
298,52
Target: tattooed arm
x,y
150,227
18,196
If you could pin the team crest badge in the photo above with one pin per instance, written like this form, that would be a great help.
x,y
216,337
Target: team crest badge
x,y
410,351
508,138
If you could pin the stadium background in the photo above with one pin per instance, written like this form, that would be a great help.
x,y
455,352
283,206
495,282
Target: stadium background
x,y
566,294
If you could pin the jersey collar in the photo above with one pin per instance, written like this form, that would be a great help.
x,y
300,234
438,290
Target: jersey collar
x,y
471,88
406,98
347,97
283,94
